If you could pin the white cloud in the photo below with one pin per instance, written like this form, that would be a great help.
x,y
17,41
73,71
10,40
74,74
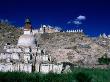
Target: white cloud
x,y
77,22
69,22
81,17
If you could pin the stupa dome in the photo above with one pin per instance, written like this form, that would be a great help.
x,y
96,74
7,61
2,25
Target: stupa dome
x,y
26,40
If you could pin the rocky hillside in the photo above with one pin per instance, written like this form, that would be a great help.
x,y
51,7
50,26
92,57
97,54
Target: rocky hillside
x,y
8,34
63,47
73,47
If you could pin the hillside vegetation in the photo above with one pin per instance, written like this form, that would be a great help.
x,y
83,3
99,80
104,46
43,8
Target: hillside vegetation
x,y
77,75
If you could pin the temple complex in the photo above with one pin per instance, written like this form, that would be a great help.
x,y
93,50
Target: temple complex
x,y
27,56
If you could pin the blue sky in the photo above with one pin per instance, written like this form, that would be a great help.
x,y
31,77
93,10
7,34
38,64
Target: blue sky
x,y
58,13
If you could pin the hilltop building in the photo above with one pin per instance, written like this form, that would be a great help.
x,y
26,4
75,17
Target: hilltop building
x,y
46,29
104,36
75,31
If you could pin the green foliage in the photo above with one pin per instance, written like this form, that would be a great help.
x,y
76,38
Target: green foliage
x,y
82,77
77,75
104,60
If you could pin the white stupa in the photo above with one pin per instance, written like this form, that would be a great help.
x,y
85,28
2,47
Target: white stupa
x,y
27,39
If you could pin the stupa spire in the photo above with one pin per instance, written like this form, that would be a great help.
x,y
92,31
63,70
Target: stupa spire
x,y
27,27
28,24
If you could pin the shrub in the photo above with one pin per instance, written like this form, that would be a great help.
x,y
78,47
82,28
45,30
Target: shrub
x,y
104,60
82,77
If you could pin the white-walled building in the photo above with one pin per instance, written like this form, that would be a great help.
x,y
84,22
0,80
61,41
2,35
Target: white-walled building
x,y
26,55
